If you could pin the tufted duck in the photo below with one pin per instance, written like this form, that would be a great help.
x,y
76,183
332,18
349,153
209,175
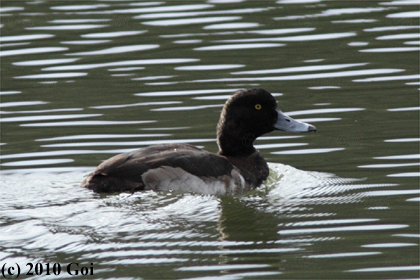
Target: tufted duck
x,y
236,168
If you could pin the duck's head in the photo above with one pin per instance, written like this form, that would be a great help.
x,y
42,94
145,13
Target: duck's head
x,y
249,114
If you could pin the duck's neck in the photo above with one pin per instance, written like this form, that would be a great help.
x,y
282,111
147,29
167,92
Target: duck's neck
x,y
234,142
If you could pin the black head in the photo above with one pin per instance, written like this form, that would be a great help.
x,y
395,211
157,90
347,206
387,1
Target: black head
x,y
249,114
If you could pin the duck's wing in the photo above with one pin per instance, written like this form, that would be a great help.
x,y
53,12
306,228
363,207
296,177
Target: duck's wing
x,y
157,167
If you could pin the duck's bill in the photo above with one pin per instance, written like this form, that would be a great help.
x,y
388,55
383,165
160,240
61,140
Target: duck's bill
x,y
286,123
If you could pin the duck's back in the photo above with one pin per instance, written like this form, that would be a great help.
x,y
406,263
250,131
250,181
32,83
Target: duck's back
x,y
167,167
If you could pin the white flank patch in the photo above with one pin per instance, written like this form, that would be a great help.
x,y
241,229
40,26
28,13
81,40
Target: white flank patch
x,y
168,178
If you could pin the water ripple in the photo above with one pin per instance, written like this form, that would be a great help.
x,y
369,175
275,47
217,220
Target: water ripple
x,y
186,21
330,222
183,92
389,78
165,9
68,27
386,269
412,156
281,31
135,104
391,28
121,63
342,229
195,14
78,7
84,42
102,136
299,38
281,145
389,165
117,50
399,36
404,109
391,50
53,75
308,151
323,111
307,76
187,108
391,192
400,2
113,34
77,20
128,143
25,37
413,14
300,69
342,255
45,62
84,123
48,117
232,25
53,153
32,51
38,162
297,219
209,67
221,267
238,46
405,174
389,245
10,92
10,9
21,103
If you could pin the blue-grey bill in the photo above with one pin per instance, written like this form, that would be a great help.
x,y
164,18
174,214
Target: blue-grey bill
x,y
286,123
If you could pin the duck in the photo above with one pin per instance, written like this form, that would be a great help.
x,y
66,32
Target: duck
x,y
237,167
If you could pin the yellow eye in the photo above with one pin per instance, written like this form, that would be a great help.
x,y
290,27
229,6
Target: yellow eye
x,y
258,106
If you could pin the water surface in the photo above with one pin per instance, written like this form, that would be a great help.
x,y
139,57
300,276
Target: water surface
x,y
84,81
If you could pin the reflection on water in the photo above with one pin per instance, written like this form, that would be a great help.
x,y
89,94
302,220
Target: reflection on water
x,y
84,81
32,51
301,69
118,63
194,233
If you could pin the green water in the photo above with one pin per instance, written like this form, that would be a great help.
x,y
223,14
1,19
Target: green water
x,y
350,68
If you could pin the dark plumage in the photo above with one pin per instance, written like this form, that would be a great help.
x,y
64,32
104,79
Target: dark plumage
x,y
237,167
